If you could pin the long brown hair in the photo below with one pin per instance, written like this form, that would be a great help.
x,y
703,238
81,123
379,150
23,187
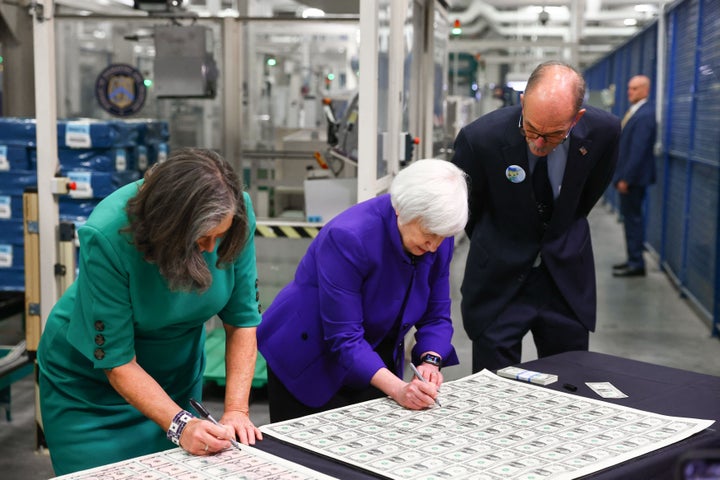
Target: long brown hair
x,y
180,201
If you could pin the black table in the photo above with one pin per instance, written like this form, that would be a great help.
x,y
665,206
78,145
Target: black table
x,y
649,387
653,388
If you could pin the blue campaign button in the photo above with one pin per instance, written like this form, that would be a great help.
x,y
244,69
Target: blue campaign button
x,y
515,173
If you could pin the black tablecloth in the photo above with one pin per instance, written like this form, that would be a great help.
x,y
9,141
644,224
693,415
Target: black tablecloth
x,y
653,388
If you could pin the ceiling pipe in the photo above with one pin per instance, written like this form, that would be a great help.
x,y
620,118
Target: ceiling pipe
x,y
564,3
105,8
529,58
484,46
480,9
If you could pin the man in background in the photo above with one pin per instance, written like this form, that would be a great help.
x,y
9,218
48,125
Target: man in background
x,y
536,171
635,171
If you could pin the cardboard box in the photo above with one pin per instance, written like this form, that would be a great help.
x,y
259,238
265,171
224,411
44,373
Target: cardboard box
x,y
326,197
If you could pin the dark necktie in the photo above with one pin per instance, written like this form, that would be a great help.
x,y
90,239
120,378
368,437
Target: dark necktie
x,y
543,190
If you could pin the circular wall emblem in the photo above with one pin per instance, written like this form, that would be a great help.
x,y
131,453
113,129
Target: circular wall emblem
x,y
120,89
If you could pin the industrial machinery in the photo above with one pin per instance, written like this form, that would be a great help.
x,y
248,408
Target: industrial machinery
x,y
342,135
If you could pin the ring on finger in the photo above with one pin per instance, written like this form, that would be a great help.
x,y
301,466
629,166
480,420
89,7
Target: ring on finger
x,y
206,447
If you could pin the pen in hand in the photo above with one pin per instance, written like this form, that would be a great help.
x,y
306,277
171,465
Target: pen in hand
x,y
422,379
206,415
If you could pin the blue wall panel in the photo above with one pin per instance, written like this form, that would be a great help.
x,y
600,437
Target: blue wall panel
x,y
638,56
683,215
655,209
620,78
701,238
706,134
707,128
597,77
681,75
675,213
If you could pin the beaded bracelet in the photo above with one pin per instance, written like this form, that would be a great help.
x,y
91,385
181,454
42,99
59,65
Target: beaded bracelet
x,y
178,425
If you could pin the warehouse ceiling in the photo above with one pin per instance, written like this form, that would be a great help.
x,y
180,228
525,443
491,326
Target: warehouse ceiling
x,y
523,32
513,33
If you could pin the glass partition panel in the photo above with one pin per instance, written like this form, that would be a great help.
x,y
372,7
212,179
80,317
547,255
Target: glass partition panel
x,y
383,86
442,141
409,67
86,46
299,115
292,65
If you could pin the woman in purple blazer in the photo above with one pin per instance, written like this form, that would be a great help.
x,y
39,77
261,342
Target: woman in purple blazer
x,y
334,335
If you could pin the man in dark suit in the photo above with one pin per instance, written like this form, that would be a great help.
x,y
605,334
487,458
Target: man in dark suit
x,y
636,170
536,170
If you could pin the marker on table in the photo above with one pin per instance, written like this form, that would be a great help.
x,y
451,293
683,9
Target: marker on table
x,y
422,379
206,415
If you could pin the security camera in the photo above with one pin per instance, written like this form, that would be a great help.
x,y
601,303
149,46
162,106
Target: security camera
x,y
543,16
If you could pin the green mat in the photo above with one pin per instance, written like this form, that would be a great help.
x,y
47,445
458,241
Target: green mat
x,y
215,355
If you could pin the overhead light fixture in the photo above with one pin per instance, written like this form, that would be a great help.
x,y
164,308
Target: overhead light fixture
x,y
313,13
645,8
630,22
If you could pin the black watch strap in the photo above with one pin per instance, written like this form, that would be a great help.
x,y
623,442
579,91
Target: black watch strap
x,y
431,359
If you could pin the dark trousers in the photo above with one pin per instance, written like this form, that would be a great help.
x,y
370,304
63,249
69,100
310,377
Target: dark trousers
x,y
631,209
284,406
538,308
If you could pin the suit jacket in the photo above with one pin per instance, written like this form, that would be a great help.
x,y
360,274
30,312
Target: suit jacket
x,y
504,227
636,158
320,332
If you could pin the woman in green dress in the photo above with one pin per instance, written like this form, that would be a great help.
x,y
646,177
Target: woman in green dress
x,y
123,349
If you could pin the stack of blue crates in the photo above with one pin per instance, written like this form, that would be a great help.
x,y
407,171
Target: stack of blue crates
x,y
99,156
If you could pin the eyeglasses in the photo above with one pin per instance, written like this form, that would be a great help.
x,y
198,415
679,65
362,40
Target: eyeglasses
x,y
548,138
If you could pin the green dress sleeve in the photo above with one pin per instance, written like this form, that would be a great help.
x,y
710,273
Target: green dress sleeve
x,y
243,307
103,327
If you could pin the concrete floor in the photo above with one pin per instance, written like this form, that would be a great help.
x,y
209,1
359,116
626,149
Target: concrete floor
x,y
643,319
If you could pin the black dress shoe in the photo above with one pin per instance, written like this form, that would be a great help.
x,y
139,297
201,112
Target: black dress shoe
x,y
629,272
620,266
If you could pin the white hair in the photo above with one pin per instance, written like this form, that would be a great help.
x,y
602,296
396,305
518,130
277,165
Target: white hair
x,y
433,191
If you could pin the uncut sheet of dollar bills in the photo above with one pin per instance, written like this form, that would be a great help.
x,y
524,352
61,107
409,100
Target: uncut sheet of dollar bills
x,y
488,428
176,464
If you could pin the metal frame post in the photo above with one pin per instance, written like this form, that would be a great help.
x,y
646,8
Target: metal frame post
x,y
47,150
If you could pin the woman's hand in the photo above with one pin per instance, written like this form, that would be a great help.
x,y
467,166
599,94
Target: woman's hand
x,y
202,437
431,373
241,424
416,395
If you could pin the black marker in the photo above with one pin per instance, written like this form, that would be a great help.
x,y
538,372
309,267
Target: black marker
x,y
570,387
206,415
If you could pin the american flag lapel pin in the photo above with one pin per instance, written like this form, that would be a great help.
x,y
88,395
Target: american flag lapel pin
x,y
583,151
